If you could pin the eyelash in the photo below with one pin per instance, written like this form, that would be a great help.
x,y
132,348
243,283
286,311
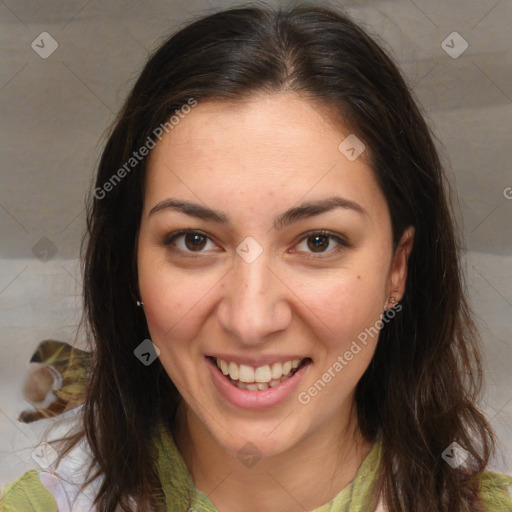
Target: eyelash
x,y
343,244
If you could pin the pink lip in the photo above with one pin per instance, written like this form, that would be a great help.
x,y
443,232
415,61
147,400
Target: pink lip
x,y
254,399
257,362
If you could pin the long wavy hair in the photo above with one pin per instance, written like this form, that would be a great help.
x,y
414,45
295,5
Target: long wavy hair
x,y
422,387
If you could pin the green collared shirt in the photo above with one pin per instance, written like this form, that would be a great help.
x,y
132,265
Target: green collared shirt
x,y
182,495
28,494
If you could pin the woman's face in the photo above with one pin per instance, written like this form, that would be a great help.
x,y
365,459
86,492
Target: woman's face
x,y
253,283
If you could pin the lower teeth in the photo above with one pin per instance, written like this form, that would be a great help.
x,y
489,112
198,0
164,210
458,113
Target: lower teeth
x,y
261,386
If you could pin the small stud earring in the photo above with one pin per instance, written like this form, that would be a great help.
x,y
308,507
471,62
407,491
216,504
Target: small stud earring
x,y
393,302
140,304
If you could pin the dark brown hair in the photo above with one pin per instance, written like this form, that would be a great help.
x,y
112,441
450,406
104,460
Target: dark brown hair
x,y
422,385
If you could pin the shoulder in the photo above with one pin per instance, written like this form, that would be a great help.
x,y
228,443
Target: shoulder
x,y
44,491
495,491
55,490
27,493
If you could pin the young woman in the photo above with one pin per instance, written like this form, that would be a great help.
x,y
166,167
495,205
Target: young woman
x,y
273,289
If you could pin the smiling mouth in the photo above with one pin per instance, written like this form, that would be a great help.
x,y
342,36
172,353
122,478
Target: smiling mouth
x,y
260,386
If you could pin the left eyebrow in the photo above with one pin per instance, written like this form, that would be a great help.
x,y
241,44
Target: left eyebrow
x,y
290,216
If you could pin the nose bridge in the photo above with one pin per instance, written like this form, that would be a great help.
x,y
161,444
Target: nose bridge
x,y
253,305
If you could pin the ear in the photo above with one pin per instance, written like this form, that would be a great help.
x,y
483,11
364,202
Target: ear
x,y
398,271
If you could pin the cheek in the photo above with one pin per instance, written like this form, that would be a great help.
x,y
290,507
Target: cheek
x,y
173,302
172,310
344,305
350,311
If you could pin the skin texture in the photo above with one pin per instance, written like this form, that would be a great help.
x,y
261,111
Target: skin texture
x,y
254,160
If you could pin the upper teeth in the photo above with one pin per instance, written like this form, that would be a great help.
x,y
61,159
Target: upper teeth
x,y
264,373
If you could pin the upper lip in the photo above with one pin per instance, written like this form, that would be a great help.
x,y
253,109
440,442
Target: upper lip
x,y
260,361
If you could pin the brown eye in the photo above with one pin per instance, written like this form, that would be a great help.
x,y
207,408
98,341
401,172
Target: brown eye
x,y
194,242
320,242
187,241
317,242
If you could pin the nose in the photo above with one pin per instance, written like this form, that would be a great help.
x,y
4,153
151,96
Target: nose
x,y
255,303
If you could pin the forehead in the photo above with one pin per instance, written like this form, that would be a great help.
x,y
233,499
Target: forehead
x,y
268,148
282,125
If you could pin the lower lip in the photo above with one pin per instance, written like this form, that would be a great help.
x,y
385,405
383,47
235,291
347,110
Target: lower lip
x,y
254,399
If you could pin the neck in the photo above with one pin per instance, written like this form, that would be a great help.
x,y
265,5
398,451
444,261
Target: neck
x,y
306,476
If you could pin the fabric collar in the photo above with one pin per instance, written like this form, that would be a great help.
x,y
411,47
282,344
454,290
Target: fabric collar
x,y
181,493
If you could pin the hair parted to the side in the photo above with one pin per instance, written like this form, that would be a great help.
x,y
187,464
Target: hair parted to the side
x,y
422,385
